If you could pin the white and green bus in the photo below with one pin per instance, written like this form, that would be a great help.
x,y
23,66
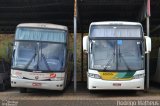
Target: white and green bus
x,y
40,57
116,55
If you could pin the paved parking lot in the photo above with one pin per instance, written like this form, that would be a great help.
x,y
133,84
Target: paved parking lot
x,y
82,98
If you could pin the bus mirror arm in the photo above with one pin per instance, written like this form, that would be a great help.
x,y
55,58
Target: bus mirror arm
x,y
148,44
146,52
85,44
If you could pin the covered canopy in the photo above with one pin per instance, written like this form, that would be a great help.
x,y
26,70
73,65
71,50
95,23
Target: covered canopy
x,y
14,12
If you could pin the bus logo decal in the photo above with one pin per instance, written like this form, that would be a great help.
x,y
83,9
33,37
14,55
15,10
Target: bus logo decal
x,y
52,75
36,77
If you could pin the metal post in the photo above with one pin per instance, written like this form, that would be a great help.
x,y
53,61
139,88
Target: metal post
x,y
82,57
147,78
75,46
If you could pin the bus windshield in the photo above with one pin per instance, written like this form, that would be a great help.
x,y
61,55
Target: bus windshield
x,y
39,56
115,55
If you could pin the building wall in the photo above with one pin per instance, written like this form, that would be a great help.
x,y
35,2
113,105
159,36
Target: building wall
x,y
5,42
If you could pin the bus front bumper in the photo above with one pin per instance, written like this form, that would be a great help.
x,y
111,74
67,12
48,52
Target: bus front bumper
x,y
49,85
99,84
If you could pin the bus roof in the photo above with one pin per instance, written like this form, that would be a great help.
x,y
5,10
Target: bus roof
x,y
115,23
43,25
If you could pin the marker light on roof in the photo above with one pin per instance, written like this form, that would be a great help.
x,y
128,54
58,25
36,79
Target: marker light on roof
x,y
114,27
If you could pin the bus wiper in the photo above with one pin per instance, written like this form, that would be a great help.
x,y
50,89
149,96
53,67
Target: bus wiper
x,y
109,61
27,65
124,60
45,61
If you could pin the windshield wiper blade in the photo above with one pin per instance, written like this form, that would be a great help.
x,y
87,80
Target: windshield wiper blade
x,y
112,57
109,61
120,54
27,65
45,61
125,62
44,58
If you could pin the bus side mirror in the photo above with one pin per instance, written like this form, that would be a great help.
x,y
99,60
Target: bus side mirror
x,y
148,44
85,44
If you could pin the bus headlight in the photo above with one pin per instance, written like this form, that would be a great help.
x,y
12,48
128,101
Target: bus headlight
x,y
16,76
94,76
13,76
138,76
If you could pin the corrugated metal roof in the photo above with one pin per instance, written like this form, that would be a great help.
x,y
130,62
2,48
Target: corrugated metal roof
x,y
60,12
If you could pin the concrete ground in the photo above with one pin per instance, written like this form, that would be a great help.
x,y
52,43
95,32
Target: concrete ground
x,y
82,97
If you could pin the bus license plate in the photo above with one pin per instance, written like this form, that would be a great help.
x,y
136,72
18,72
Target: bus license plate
x,y
36,84
116,84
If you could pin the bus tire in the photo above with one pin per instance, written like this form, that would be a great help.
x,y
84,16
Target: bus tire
x,y
23,90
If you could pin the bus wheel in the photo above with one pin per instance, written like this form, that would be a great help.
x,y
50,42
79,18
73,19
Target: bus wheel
x,y
23,90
